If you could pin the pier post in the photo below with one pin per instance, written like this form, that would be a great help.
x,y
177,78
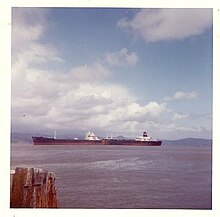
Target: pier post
x,y
33,188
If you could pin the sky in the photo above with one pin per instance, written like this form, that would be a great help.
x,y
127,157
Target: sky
x,y
112,70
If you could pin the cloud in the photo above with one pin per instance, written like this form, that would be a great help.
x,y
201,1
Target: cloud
x,y
28,26
177,116
78,99
179,131
90,73
167,24
103,108
101,68
121,58
183,96
81,98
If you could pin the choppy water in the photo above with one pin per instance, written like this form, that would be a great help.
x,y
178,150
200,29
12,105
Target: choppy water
x,y
123,176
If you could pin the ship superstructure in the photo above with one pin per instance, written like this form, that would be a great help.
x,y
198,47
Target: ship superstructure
x,y
91,136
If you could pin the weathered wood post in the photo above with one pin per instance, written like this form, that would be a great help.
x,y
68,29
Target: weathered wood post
x,y
33,188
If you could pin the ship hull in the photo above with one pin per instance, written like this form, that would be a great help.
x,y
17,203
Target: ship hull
x,y
132,142
52,141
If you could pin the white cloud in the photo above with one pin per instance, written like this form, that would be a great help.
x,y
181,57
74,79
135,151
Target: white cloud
x,y
100,107
28,26
64,100
121,58
24,30
177,116
180,95
27,29
101,69
179,131
168,24
81,98
90,73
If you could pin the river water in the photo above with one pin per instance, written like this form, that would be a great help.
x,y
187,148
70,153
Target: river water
x,y
169,176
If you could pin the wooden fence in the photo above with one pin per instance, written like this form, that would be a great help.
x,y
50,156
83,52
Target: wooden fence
x,y
33,188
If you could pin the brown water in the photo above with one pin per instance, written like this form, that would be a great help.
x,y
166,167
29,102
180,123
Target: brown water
x,y
123,176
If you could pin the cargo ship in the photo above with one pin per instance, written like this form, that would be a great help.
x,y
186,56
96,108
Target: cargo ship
x,y
92,139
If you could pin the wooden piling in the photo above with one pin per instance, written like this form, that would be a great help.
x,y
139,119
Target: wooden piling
x,y
33,188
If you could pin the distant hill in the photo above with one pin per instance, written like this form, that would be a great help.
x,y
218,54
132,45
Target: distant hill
x,y
27,138
189,141
21,137
120,137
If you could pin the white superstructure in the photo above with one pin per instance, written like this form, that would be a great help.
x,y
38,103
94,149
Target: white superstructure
x,y
145,137
91,136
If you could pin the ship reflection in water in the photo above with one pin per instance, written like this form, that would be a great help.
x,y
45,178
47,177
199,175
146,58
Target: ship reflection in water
x,y
92,139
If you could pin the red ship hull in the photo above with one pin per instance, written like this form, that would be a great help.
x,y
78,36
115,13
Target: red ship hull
x,y
132,142
52,141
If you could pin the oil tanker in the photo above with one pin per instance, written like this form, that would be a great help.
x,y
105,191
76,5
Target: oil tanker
x,y
92,139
